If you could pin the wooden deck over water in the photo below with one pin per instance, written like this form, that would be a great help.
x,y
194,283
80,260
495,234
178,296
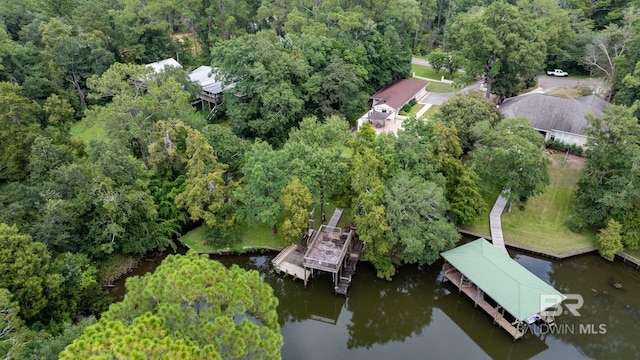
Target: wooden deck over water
x,y
289,261
477,295
327,249
331,249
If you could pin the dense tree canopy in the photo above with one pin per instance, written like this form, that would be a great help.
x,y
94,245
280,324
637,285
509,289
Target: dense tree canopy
x,y
500,44
209,311
103,158
510,158
609,185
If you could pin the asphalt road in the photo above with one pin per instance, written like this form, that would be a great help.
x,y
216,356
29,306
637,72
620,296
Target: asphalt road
x,y
545,82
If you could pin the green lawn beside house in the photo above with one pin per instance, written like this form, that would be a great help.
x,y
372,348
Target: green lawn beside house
x,y
542,223
437,87
429,72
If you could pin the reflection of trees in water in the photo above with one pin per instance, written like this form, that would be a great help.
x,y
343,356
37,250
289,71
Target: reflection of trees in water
x,y
618,309
384,311
317,301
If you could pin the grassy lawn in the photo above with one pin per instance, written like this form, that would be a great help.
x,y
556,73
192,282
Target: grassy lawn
x,y
429,72
414,109
429,113
258,236
88,132
250,236
565,93
541,224
438,87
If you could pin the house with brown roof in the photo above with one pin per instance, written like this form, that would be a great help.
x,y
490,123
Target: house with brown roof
x,y
556,118
387,102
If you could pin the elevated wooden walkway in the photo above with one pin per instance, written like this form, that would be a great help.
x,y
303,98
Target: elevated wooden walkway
x,y
477,295
496,224
337,214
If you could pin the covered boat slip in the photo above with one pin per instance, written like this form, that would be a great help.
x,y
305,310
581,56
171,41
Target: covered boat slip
x,y
504,289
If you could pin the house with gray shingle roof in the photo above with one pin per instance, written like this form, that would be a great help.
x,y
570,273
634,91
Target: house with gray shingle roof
x,y
556,118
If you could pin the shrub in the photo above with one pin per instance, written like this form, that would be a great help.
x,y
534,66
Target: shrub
x,y
560,146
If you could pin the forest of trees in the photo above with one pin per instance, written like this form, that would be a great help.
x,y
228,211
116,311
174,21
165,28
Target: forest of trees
x,y
303,72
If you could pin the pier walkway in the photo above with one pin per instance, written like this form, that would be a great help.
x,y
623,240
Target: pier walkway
x,y
337,214
496,224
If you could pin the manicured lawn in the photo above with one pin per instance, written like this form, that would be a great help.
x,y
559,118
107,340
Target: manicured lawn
x,y
438,87
429,72
258,236
250,236
565,93
414,109
88,132
194,239
429,113
541,225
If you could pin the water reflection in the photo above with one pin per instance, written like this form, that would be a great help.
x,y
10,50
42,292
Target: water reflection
x,y
384,311
417,316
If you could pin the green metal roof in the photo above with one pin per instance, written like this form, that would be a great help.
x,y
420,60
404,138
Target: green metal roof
x,y
512,286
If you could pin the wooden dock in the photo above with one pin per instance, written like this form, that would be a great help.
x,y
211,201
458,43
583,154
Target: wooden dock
x,y
496,224
477,295
289,261
350,268
329,249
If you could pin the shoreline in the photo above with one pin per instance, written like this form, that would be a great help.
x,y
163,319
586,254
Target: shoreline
x,y
536,251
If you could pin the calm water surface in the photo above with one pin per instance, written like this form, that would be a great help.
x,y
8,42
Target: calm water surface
x,y
418,316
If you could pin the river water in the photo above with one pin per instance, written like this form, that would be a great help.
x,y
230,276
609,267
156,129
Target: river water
x,y
418,316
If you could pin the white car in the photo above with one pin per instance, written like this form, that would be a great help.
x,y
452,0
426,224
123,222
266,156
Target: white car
x,y
557,72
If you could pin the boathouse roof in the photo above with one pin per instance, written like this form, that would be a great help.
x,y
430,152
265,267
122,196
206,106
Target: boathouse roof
x,y
513,287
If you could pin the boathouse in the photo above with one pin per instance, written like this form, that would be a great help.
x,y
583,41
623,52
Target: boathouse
x,y
514,297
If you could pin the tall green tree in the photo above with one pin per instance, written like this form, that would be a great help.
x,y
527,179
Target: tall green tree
x,y
23,271
416,213
461,188
609,184
464,112
297,200
262,183
124,216
369,212
225,313
499,44
610,240
138,100
205,190
18,120
314,154
510,157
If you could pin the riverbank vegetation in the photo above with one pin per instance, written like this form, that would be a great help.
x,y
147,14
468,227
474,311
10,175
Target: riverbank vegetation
x,y
105,159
